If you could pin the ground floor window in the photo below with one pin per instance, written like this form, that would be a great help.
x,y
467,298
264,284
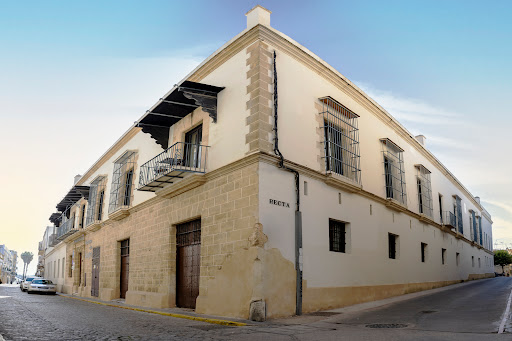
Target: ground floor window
x,y
337,236
393,245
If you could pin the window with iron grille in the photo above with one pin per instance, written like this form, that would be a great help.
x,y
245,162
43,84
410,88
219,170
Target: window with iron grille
x,y
121,192
424,191
96,198
394,174
393,245
337,236
341,139
188,233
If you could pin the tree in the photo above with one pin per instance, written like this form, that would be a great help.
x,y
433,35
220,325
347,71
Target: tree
x,y
27,258
502,258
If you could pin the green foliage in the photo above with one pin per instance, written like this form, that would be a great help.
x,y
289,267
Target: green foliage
x,y
502,258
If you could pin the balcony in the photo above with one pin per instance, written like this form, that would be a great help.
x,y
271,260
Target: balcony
x,y
65,229
449,219
52,241
172,165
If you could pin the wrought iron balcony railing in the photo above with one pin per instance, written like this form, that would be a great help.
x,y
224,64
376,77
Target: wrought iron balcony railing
x,y
172,164
449,219
65,229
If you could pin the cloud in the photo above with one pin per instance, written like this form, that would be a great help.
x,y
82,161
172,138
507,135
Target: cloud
x,y
410,109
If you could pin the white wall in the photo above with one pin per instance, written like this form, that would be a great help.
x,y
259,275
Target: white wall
x,y
298,90
53,269
367,261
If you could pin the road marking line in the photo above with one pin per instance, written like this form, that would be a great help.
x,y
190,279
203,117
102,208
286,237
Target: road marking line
x,y
505,315
181,316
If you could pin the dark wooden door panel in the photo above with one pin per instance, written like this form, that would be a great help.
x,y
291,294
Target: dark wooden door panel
x,y
125,267
188,263
95,284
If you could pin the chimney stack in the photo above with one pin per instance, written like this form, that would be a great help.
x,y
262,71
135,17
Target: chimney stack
x,y
421,139
77,178
477,199
258,15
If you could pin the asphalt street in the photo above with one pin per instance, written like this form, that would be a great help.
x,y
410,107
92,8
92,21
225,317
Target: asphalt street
x,y
470,311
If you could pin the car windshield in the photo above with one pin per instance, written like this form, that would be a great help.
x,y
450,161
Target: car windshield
x,y
42,281
30,279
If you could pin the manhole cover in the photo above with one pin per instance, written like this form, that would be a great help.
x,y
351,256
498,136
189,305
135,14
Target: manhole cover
x,y
323,313
429,311
386,325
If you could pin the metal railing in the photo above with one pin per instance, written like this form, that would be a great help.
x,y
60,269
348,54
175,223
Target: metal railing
x,y
178,158
449,219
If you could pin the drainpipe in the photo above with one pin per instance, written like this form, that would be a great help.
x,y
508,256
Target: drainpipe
x,y
298,213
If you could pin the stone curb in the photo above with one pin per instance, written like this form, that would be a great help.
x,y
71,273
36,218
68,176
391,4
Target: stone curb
x,y
182,316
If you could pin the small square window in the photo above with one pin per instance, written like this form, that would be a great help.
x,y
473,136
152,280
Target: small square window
x,y
337,236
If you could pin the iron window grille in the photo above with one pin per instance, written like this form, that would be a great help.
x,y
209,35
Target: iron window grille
x,y
394,173
188,233
425,205
457,211
337,236
472,228
341,139
96,200
121,192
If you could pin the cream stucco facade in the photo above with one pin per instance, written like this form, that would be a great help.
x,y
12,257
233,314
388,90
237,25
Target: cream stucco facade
x,y
236,190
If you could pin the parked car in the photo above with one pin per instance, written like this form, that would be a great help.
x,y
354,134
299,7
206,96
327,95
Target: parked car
x,y
42,285
25,283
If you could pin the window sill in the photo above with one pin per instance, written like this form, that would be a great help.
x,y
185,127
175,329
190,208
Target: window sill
x,y
395,205
342,182
119,214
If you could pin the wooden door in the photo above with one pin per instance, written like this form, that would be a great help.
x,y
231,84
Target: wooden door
x,y
95,284
188,257
125,267
79,269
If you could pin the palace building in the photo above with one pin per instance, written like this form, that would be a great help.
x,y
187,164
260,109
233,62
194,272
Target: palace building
x,y
265,184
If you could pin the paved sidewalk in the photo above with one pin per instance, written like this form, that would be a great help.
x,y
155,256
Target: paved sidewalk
x,y
173,312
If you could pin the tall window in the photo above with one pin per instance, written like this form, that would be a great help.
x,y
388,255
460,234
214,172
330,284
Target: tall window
x,y
441,208
337,236
82,216
394,173
393,245
192,148
424,191
423,252
96,198
443,256
472,229
341,139
122,182
457,211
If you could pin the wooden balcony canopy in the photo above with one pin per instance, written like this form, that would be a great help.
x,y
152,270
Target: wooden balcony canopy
x,y
74,194
178,103
55,217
